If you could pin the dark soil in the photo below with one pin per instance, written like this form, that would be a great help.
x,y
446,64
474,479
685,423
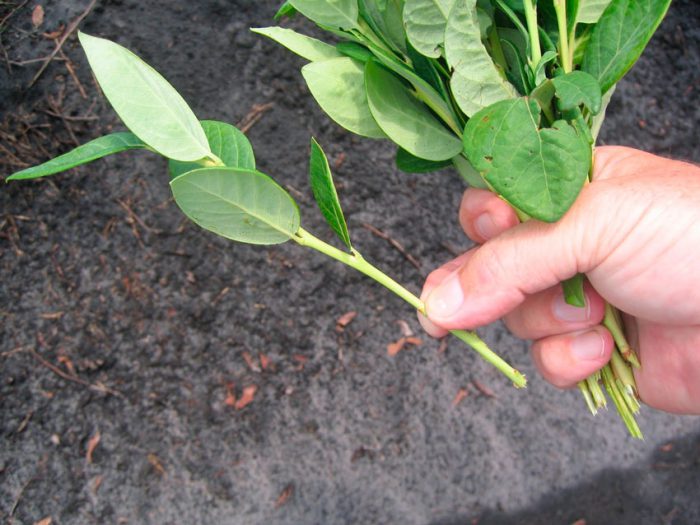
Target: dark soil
x,y
103,280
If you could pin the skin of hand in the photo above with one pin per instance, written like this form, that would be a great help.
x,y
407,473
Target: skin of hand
x,y
634,231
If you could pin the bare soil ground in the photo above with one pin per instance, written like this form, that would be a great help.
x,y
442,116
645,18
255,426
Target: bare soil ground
x,y
129,337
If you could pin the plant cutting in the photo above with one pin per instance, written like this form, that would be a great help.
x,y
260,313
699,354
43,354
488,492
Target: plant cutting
x,y
512,93
213,176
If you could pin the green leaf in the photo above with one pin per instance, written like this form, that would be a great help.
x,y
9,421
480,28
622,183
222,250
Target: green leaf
x,y
423,90
576,88
476,81
149,106
354,50
93,150
239,204
573,291
539,72
619,38
285,9
412,164
589,11
597,120
306,47
325,193
338,85
226,142
425,22
337,14
468,173
404,119
386,19
539,171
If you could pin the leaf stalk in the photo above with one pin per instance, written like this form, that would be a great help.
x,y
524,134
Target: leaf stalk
x,y
356,261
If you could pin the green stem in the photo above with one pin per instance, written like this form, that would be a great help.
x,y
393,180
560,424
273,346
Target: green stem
x,y
613,323
618,398
356,261
566,58
583,387
533,31
596,391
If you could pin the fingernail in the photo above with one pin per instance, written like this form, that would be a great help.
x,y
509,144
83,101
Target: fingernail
x,y
431,328
588,346
485,226
568,313
445,300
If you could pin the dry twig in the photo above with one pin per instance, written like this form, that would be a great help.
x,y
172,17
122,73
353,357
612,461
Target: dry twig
x,y
59,44
396,244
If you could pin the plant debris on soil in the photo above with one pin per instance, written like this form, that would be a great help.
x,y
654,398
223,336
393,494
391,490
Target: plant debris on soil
x,y
154,373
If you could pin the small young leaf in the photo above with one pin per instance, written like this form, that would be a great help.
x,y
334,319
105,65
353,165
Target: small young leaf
x,y
325,193
306,47
239,204
338,85
285,9
576,88
476,82
619,38
412,164
93,150
573,291
226,142
538,171
425,22
149,106
404,119
336,14
539,72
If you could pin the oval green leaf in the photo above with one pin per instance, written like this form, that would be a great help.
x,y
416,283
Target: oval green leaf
x,y
325,193
576,88
619,38
404,119
337,14
539,171
476,82
589,11
149,106
306,47
338,85
425,22
412,164
239,204
226,142
93,150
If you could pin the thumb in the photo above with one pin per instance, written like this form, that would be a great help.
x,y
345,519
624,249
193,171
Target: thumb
x,y
497,277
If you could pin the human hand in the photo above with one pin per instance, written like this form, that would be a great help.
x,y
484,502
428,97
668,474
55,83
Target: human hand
x,y
634,231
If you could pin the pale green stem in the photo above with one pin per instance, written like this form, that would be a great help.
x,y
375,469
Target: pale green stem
x,y
566,58
624,374
613,323
618,398
356,261
533,31
596,390
583,387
